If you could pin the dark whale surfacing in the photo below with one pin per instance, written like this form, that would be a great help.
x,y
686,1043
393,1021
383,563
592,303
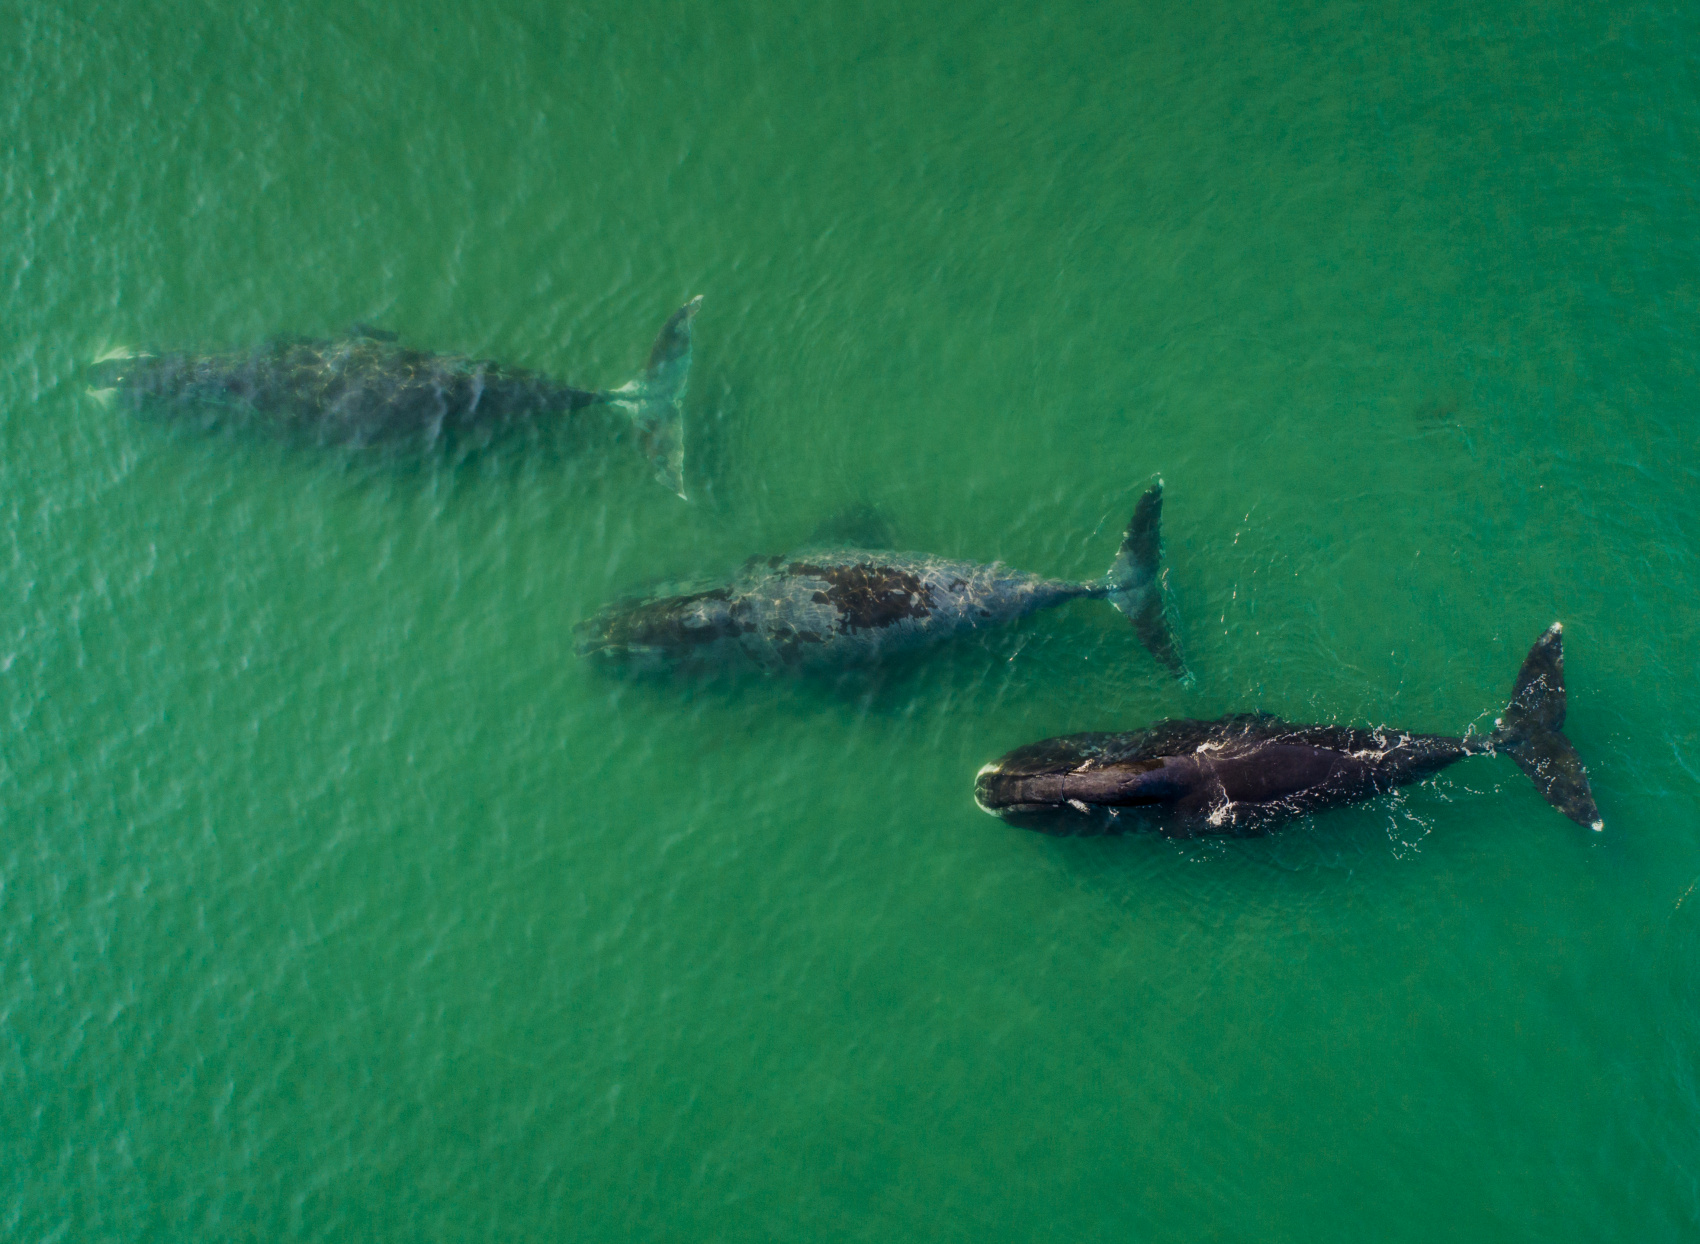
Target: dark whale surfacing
x,y
366,387
1246,774
824,608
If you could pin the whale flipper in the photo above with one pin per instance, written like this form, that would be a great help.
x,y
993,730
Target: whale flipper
x,y
653,400
1528,732
1135,584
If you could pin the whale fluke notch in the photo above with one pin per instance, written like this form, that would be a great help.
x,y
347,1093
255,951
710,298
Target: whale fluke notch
x,y
1529,732
1135,584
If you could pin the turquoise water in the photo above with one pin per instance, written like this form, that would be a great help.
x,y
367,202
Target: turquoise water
x,y
338,900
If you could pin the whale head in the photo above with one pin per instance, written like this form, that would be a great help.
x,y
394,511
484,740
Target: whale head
x,y
1066,786
659,631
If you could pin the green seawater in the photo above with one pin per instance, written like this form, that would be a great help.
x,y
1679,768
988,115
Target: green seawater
x,y
340,901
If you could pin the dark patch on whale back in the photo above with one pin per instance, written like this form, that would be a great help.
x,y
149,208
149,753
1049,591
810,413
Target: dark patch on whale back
x,y
788,642
858,526
867,596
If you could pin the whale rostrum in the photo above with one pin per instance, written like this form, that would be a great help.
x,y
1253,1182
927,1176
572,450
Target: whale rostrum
x,y
366,386
827,607
1248,773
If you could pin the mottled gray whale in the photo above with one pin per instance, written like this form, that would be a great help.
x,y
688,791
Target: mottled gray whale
x,y
365,386
833,607
1244,775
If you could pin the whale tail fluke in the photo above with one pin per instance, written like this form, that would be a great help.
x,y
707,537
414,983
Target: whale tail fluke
x,y
1136,583
654,399
1529,732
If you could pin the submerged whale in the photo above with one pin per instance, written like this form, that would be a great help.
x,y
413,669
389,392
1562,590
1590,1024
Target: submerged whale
x,y
366,386
1244,775
827,607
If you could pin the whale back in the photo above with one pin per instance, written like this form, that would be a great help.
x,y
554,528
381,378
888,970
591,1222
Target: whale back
x,y
820,607
359,386
1237,775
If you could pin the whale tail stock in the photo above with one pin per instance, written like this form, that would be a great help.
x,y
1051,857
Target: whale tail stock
x,y
1135,584
1528,732
653,400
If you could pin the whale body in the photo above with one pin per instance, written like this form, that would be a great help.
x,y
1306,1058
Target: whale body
x,y
834,607
366,386
1247,774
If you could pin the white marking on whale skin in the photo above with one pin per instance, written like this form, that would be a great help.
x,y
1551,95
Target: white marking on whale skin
x,y
1597,826
992,767
1221,813
1078,806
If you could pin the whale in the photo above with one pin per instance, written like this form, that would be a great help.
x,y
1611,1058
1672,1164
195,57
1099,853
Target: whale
x,y
1249,773
829,607
366,386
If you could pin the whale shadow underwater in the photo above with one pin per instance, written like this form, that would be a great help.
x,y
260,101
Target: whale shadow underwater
x,y
825,609
1249,773
367,388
